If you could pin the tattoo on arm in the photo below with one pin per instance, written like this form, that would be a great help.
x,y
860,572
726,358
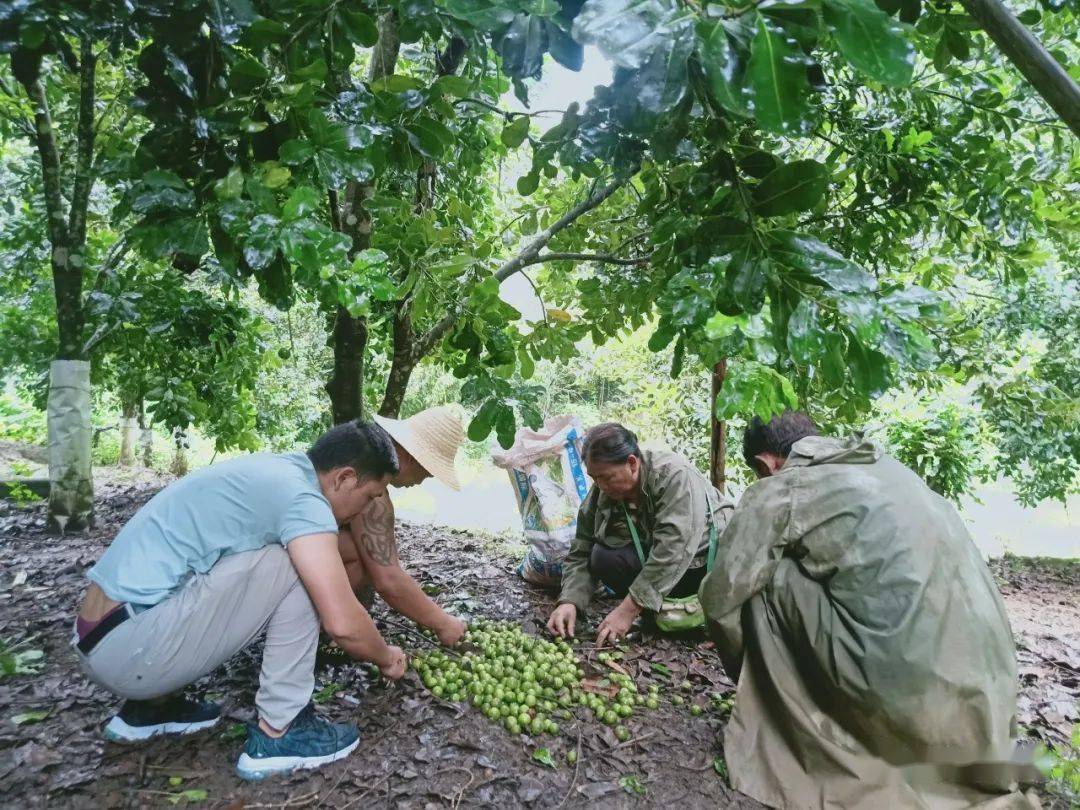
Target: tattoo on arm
x,y
377,534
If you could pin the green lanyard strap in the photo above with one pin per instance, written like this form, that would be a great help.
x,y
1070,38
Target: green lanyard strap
x,y
709,560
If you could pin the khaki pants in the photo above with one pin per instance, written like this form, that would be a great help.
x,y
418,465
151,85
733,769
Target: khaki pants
x,y
210,619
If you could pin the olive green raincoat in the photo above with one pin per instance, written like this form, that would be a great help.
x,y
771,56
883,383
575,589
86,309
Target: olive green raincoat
x,y
872,652
672,522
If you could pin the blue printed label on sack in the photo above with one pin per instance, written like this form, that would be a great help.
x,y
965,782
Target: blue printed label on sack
x,y
522,485
575,464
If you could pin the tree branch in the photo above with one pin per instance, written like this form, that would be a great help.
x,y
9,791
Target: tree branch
x,y
585,257
1040,68
49,154
428,340
84,155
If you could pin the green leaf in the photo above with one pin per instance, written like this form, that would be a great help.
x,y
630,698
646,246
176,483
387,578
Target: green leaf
x,y
660,84
753,389
479,13
958,43
429,136
792,187
756,162
777,74
942,54
303,201
543,756
563,48
27,718
360,27
869,369
273,175
630,32
316,71
720,766
874,43
724,66
296,151
231,186
247,74
806,255
1030,17
481,424
747,272
526,365
505,424
261,244
456,86
515,132
522,47
528,183
805,337
678,357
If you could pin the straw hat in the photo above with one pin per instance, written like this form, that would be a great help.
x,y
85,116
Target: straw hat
x,y
432,437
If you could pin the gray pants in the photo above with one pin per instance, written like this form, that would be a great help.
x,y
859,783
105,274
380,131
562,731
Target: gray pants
x,y
210,619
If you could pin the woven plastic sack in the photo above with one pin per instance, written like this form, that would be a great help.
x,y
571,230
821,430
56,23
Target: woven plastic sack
x,y
549,483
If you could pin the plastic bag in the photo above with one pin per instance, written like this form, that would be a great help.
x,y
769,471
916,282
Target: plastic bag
x,y
549,482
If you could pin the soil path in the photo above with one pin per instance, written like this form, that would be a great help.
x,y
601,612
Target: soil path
x,y
416,751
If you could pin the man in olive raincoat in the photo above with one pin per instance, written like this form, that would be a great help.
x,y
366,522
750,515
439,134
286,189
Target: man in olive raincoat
x,y
873,656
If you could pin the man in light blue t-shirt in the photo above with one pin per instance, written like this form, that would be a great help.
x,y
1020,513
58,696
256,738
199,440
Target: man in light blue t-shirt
x,y
219,558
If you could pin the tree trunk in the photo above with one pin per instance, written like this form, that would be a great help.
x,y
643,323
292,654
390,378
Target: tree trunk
x,y
71,501
128,435
71,491
146,438
1043,71
346,385
348,334
718,443
405,349
401,369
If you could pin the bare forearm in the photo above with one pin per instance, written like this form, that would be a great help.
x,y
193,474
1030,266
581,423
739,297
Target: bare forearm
x,y
403,594
360,638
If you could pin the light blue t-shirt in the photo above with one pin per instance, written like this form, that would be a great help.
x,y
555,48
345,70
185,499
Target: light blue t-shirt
x,y
239,505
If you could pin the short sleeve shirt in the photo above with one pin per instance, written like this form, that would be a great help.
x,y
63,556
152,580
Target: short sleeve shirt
x,y
239,505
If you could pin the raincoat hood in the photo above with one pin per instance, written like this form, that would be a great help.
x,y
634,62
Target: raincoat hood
x,y
814,450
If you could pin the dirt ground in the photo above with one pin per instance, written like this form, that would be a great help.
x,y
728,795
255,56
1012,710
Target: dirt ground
x,y
416,751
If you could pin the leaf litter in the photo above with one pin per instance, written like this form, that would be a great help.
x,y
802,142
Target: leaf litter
x,y
416,750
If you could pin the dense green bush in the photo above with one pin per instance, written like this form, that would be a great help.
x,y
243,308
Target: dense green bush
x,y
946,444
20,421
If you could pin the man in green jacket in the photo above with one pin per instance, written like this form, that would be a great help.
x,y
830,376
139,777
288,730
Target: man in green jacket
x,y
662,498
872,652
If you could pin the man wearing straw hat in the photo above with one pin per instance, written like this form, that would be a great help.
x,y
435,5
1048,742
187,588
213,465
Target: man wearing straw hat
x,y
426,444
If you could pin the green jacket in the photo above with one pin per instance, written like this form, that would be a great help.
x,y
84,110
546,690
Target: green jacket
x,y
865,634
672,524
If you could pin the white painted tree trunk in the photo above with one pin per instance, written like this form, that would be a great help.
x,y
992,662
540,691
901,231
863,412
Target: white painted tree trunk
x,y
71,490
128,436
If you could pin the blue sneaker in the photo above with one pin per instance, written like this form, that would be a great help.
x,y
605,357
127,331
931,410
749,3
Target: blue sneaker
x,y
309,742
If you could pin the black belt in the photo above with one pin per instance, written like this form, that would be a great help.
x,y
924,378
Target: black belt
x,y
102,629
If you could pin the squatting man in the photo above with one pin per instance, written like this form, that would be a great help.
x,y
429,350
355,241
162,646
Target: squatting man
x,y
273,545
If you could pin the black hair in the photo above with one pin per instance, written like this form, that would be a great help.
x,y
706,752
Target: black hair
x,y
610,443
364,446
777,435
